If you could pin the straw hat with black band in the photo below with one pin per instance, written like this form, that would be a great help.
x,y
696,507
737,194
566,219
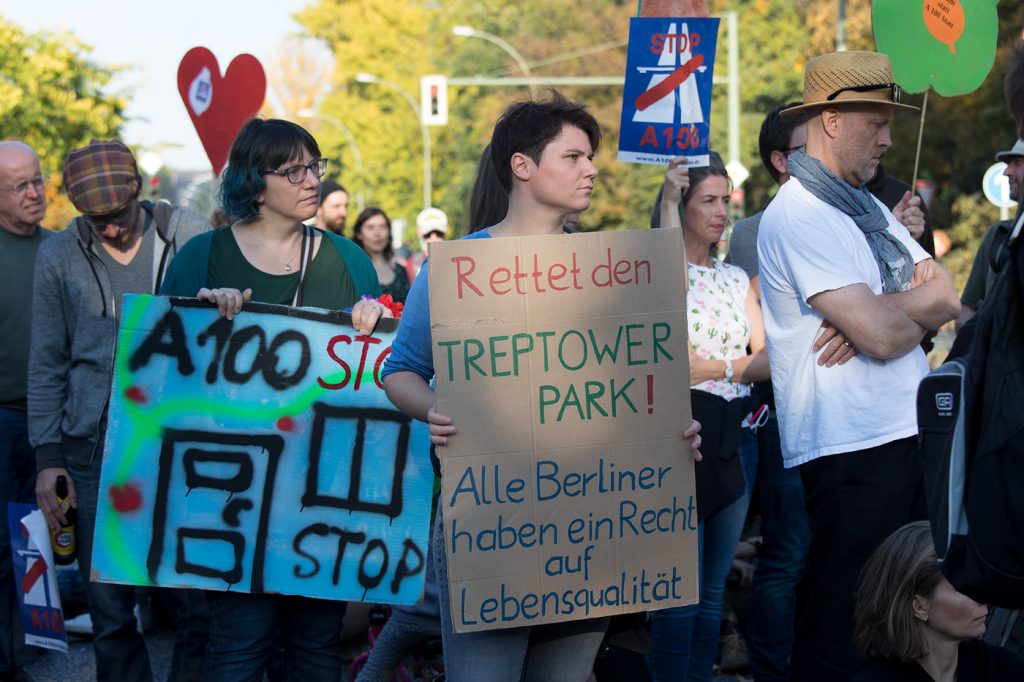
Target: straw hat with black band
x,y
854,77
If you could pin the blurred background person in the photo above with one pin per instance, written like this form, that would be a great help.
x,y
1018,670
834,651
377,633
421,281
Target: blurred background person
x,y
333,210
488,200
372,231
911,624
431,226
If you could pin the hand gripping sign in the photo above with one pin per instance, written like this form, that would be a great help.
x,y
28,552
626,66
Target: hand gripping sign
x,y
219,105
666,103
259,454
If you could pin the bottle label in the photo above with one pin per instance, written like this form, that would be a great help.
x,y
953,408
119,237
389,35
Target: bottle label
x,y
63,541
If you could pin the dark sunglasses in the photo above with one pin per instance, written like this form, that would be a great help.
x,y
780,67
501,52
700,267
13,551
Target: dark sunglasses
x,y
896,90
124,217
297,174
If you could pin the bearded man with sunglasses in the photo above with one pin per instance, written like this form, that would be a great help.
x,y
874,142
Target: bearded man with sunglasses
x,y
119,245
847,295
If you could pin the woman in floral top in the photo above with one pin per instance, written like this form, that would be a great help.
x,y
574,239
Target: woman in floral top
x,y
724,321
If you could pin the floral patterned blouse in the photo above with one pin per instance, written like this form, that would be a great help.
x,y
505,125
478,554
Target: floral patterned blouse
x,y
717,317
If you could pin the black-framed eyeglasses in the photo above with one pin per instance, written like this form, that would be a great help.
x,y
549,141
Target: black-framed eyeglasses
x,y
296,174
896,90
123,217
19,190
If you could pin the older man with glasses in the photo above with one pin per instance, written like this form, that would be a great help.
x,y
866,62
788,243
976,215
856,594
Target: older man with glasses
x,y
119,245
22,205
847,296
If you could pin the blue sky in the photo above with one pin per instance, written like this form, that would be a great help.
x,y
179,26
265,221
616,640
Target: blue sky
x,y
151,38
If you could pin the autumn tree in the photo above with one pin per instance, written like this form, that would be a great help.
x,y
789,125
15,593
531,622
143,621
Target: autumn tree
x,y
53,98
402,41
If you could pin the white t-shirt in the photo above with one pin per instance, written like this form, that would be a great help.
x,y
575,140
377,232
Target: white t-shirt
x,y
806,247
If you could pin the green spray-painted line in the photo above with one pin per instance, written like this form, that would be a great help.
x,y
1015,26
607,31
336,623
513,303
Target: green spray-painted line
x,y
147,423
119,550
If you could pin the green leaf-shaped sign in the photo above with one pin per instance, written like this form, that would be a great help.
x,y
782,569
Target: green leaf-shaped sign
x,y
949,45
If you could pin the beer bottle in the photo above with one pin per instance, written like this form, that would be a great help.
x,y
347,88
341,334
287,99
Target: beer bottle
x,y
63,539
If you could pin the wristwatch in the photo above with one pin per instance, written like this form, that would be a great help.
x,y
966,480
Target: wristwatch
x,y
728,370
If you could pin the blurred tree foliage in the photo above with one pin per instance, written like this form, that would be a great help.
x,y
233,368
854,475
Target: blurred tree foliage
x,y
402,41
54,98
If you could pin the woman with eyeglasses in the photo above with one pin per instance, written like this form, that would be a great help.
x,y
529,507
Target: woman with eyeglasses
x,y
272,183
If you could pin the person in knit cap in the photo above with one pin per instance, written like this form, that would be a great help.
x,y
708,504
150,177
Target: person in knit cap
x,y
118,245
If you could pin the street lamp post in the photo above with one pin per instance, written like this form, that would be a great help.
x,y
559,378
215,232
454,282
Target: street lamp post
x,y
357,155
370,78
470,32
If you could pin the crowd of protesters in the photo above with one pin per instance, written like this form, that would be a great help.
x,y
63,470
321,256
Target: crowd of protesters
x,y
827,298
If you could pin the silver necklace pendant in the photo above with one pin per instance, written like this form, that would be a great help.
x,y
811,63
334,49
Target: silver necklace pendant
x,y
287,268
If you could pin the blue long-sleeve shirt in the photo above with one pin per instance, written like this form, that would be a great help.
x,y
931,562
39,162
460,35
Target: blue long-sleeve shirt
x,y
412,349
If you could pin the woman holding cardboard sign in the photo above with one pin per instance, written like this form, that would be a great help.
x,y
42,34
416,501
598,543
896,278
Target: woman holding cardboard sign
x,y
272,183
543,155
724,319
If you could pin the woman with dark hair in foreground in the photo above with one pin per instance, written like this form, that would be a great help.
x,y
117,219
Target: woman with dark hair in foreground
x,y
272,183
913,625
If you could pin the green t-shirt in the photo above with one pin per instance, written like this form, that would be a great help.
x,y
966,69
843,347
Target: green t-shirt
x,y
328,284
17,263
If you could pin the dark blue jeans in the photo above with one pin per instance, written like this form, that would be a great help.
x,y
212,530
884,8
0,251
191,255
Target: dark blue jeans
x,y
120,650
17,483
684,639
243,628
780,562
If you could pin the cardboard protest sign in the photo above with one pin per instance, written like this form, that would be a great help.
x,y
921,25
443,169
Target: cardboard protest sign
x,y
36,578
219,105
259,455
567,492
666,102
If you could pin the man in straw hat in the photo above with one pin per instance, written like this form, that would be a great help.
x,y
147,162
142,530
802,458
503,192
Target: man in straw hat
x,y
119,245
848,295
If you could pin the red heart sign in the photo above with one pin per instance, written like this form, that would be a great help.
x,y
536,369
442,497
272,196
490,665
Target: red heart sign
x,y
218,106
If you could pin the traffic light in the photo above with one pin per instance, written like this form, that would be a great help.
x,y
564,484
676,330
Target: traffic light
x,y
434,100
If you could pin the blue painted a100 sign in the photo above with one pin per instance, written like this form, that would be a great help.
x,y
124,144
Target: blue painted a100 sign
x,y
666,103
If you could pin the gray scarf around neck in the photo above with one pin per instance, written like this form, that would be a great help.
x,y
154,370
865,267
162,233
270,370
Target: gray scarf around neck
x,y
895,264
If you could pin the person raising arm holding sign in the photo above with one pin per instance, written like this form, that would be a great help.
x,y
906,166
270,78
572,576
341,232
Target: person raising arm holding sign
x,y
543,154
724,319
